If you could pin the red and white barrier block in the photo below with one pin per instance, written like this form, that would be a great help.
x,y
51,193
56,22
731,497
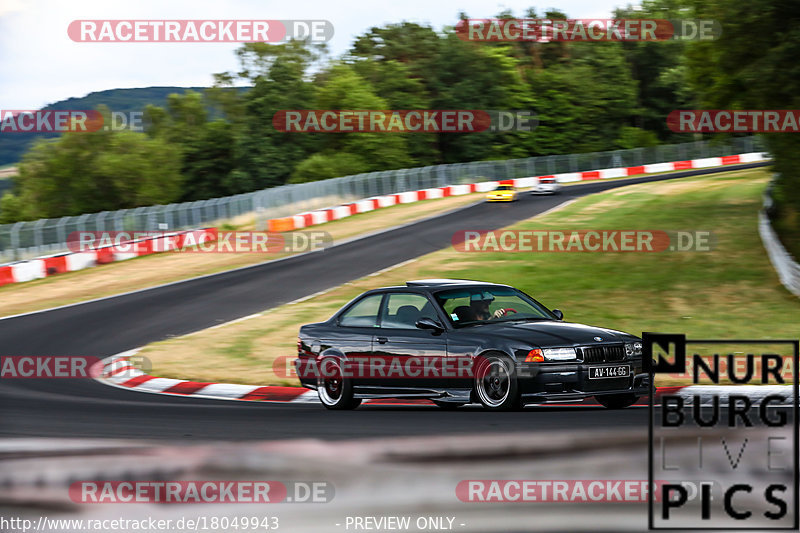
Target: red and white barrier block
x,y
43,267
312,218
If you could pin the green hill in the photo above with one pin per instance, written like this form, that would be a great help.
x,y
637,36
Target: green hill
x,y
14,145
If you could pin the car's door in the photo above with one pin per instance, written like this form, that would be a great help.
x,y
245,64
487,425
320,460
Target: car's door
x,y
352,335
414,357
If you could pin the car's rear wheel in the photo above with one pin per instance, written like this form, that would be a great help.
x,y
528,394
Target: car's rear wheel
x,y
616,401
335,391
496,383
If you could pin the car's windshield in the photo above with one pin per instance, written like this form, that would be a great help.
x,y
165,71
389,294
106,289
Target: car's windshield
x,y
469,306
505,188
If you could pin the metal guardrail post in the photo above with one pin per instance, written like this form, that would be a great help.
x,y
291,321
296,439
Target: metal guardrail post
x,y
15,240
100,221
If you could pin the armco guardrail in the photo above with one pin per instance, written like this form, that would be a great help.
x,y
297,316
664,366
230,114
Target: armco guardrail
x,y
785,265
25,240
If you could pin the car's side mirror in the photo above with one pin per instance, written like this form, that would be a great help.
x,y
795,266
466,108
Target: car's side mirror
x,y
429,323
559,314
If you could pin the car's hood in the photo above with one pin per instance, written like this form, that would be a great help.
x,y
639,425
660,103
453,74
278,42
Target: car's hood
x,y
556,333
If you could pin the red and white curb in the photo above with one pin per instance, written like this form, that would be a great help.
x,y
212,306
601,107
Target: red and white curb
x,y
119,371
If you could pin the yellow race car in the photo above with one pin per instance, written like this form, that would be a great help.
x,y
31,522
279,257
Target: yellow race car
x,y
503,193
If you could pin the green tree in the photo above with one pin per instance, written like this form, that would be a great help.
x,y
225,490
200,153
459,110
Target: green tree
x,y
753,65
397,85
632,137
11,208
660,70
206,146
328,165
399,61
263,156
94,171
344,89
583,102
475,76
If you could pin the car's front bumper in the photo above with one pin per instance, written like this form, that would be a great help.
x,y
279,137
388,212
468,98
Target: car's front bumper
x,y
500,198
545,188
561,382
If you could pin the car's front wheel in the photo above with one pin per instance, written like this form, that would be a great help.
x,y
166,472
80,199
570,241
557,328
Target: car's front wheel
x,y
616,401
496,383
335,391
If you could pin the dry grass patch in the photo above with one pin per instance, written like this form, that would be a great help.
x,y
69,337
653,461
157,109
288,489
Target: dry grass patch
x,y
157,269
245,351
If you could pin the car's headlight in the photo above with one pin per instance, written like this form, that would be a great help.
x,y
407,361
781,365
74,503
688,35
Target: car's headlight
x,y
559,354
633,349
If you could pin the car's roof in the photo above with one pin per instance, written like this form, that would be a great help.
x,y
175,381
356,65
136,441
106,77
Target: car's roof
x,y
444,282
435,284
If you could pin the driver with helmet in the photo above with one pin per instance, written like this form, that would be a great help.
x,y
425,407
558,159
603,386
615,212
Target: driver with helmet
x,y
479,306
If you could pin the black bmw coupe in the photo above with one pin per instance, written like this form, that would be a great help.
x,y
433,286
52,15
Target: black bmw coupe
x,y
456,342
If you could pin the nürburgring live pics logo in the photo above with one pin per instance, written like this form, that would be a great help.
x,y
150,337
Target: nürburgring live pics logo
x,y
736,446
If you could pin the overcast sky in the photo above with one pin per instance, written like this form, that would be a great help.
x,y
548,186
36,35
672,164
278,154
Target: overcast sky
x,y
41,65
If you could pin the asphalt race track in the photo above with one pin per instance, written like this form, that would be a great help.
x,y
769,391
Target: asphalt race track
x,y
85,408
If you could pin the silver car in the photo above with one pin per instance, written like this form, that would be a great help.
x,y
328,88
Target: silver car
x,y
546,185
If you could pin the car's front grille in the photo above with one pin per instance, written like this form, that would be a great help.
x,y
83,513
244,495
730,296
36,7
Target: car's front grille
x,y
612,353
593,354
615,353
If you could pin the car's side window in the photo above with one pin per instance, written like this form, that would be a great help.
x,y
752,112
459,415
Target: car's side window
x,y
364,313
458,309
402,310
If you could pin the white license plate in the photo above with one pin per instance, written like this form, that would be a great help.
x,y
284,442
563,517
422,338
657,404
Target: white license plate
x,y
604,372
